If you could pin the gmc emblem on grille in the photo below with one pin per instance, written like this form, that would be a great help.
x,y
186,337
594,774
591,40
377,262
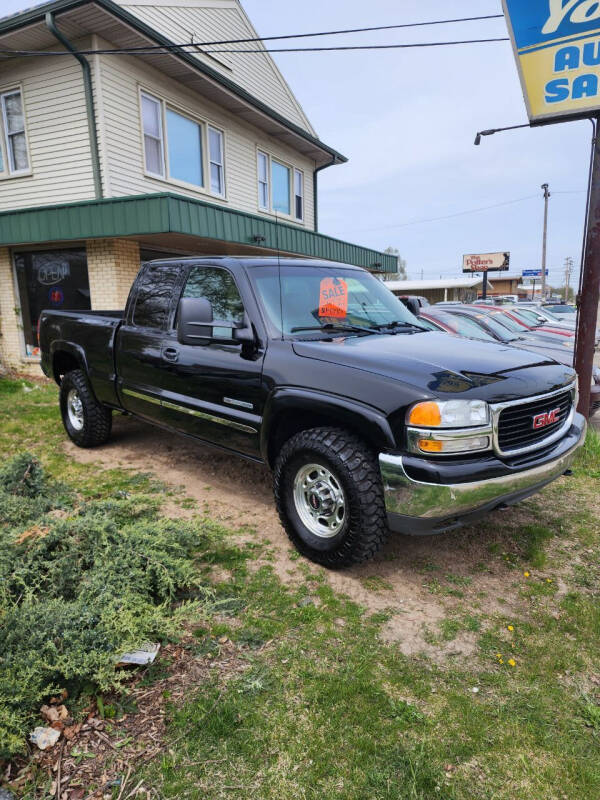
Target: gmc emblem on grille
x,y
547,418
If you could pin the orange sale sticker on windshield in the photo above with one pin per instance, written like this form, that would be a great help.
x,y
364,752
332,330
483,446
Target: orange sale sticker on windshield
x,y
333,298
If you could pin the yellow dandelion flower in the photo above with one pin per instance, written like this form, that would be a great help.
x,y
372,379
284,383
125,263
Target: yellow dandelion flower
x,y
512,662
501,661
548,580
510,627
498,655
526,574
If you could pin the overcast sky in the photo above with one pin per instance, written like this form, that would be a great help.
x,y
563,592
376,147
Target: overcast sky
x,y
407,120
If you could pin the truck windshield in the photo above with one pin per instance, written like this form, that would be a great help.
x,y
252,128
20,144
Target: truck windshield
x,y
329,297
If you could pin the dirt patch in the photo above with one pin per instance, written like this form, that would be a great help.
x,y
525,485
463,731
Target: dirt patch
x,y
403,576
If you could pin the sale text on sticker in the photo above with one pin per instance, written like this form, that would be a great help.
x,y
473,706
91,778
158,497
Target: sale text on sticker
x,y
333,298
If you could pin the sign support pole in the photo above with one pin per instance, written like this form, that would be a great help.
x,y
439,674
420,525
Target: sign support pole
x,y
484,290
589,286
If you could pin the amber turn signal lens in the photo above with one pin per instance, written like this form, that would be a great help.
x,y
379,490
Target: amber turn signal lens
x,y
425,414
430,446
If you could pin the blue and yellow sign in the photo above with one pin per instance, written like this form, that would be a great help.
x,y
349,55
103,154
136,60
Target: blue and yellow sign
x,y
557,47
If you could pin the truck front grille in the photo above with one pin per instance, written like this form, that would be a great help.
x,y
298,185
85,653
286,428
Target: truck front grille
x,y
529,425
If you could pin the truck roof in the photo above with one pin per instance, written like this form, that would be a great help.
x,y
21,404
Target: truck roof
x,y
256,261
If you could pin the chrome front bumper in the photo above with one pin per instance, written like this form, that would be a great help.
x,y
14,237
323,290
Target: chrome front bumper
x,y
416,507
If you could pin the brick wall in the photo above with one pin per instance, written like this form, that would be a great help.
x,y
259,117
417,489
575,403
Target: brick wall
x,y
11,340
112,267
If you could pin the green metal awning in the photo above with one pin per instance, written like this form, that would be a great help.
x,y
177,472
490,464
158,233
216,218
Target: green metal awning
x,y
166,213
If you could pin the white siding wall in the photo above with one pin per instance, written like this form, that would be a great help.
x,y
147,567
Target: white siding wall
x,y
57,132
179,20
120,79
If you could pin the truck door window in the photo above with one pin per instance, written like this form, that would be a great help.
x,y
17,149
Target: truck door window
x,y
155,291
218,286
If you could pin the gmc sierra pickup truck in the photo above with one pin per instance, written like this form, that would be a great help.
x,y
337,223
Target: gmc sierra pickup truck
x,y
369,422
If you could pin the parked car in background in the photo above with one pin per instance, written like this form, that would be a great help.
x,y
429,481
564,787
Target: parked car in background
x,y
562,309
519,330
457,324
491,326
513,323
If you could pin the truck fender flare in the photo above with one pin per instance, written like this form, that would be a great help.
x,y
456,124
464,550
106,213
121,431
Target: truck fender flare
x,y
367,421
75,350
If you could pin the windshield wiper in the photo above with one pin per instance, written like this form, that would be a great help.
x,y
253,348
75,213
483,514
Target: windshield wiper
x,y
400,324
331,326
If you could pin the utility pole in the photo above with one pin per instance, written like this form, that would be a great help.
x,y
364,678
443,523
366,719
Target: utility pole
x,y
589,287
546,197
568,270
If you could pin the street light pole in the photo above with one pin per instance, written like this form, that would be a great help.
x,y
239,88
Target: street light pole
x,y
546,196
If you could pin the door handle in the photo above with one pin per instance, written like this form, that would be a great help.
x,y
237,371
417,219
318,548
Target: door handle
x,y
170,354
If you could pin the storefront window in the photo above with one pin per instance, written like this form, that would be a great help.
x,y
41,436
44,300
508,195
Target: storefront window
x,y
55,279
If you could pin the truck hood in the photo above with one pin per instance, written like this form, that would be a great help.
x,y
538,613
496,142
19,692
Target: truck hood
x,y
444,364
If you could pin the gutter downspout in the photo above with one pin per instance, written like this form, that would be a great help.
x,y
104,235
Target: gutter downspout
x,y
89,102
315,191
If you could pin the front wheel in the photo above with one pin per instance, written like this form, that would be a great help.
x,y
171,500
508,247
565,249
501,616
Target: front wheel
x,y
329,497
87,422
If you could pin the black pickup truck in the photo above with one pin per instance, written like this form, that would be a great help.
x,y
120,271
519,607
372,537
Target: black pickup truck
x,y
370,422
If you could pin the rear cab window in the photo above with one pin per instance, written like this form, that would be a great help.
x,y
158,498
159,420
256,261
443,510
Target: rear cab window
x,y
155,291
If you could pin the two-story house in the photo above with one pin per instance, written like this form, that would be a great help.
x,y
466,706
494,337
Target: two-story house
x,y
118,145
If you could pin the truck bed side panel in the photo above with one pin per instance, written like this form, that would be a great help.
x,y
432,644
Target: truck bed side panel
x,y
88,337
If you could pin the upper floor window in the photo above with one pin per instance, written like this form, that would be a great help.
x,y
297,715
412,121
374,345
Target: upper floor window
x,y
15,136
153,135
264,192
185,149
280,187
298,194
178,147
215,152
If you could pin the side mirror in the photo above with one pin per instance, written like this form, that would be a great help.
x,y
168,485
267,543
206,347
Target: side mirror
x,y
194,320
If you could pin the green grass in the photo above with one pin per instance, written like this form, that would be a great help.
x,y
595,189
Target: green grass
x,y
322,709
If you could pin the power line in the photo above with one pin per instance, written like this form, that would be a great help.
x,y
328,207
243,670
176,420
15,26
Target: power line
x,y
459,213
176,48
196,45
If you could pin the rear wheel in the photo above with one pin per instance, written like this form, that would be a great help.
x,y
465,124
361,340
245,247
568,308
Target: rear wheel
x,y
87,422
329,497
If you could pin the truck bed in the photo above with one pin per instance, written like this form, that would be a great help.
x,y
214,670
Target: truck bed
x,y
94,333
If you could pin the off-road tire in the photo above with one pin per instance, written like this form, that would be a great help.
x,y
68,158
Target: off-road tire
x,y
97,419
355,466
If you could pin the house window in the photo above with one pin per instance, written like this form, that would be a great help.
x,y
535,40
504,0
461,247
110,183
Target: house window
x,y
13,118
215,153
185,149
263,181
298,194
178,147
153,135
280,187
280,180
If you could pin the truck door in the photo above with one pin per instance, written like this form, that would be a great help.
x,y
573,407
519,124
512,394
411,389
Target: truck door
x,y
211,391
214,390
140,342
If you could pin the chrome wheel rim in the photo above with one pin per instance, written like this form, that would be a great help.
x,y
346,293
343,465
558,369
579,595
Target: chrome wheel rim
x,y
75,409
320,500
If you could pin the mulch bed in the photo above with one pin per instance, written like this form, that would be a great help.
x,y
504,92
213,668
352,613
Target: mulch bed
x,y
96,757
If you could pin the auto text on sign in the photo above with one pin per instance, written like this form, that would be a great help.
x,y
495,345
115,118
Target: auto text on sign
x,y
557,47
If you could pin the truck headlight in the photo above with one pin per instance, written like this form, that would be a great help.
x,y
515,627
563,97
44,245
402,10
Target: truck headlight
x,y
449,414
449,427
